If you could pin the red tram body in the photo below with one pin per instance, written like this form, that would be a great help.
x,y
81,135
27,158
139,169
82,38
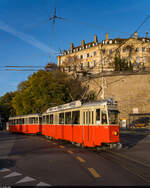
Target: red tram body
x,y
88,124
27,124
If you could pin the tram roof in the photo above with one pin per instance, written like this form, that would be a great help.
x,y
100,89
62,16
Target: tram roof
x,y
25,116
78,104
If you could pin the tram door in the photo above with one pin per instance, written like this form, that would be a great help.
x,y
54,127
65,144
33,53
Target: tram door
x,y
86,123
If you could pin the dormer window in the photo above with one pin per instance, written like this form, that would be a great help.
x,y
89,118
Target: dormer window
x,y
110,42
80,48
86,46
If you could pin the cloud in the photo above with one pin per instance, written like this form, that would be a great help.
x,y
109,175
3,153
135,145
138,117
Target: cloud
x,y
27,38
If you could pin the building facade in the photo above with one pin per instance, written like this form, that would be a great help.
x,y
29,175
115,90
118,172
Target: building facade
x,y
99,56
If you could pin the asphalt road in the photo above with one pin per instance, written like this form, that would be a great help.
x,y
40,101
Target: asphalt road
x,y
35,160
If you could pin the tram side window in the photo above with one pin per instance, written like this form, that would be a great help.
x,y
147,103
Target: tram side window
x,y
97,116
47,119
104,117
68,119
76,117
113,116
92,117
61,118
51,119
44,119
36,120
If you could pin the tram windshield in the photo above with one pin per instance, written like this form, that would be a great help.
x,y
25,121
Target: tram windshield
x,y
113,116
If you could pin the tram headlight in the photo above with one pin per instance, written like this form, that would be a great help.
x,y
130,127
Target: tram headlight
x,y
115,133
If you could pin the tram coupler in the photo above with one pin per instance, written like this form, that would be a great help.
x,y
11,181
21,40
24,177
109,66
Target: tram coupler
x,y
116,146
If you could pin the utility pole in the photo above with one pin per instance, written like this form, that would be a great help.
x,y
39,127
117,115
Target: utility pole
x,y
103,87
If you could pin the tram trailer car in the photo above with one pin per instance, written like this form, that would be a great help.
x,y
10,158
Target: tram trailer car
x,y
90,124
27,124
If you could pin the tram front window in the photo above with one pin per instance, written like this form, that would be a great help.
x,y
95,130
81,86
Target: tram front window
x,y
104,117
113,116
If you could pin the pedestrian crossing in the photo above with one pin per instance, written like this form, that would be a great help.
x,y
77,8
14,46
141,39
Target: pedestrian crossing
x,y
7,174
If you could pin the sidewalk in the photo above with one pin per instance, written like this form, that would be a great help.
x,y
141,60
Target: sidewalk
x,y
136,144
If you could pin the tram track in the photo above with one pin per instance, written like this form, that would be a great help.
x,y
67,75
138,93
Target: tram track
x,y
137,168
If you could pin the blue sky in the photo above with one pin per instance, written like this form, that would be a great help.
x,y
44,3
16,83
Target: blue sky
x,y
28,38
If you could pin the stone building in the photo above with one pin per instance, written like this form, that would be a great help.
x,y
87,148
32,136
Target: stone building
x,y
132,91
98,56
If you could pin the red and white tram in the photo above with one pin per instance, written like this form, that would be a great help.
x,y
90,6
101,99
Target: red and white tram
x,y
89,124
28,124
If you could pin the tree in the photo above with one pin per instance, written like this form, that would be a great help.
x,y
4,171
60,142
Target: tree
x,y
6,108
122,64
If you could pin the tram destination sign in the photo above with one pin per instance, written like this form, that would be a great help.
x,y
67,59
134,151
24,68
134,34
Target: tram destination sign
x,y
73,104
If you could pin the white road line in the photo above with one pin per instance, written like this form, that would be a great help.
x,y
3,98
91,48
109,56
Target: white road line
x,y
43,184
25,180
13,174
5,170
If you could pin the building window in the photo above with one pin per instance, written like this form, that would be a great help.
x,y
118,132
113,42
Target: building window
x,y
69,68
81,66
81,56
94,53
137,49
110,51
123,50
104,51
88,64
143,49
94,63
110,42
88,55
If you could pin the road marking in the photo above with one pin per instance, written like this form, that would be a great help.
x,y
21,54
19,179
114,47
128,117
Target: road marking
x,y
43,184
4,170
13,174
94,173
69,151
25,179
61,146
80,159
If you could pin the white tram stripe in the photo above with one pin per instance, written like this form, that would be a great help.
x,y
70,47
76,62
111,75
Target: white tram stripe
x,y
13,174
25,180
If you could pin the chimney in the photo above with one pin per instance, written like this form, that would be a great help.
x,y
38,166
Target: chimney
x,y
107,36
71,46
135,35
95,38
146,34
82,43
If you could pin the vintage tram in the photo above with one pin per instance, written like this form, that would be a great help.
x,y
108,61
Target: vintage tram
x,y
89,124
28,124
